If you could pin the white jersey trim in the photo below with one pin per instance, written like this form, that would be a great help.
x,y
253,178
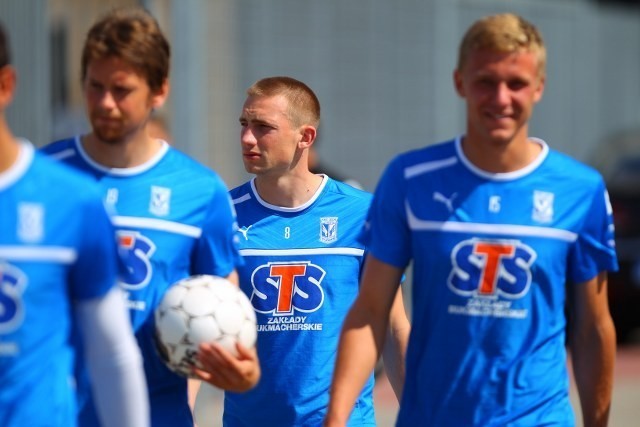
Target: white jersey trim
x,y
427,167
157,224
57,254
123,171
242,199
313,251
500,229
64,154
300,208
19,167
507,176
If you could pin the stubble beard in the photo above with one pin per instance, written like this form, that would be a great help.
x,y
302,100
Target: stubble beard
x,y
109,134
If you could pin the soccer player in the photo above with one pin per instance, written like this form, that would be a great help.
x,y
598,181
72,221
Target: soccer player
x,y
53,228
302,263
505,233
173,215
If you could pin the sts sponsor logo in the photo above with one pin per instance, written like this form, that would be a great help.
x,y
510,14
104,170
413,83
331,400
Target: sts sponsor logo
x,y
135,251
285,288
485,270
12,284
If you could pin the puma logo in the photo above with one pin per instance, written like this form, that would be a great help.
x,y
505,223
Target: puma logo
x,y
448,202
245,231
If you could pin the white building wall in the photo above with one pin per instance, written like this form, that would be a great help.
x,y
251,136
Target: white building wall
x,y
26,23
383,73
382,70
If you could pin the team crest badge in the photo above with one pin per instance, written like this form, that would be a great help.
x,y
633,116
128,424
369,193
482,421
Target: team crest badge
x,y
329,229
30,222
160,201
542,206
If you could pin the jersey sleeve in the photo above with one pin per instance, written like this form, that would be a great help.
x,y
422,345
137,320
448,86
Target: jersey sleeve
x,y
113,358
386,233
594,250
94,272
216,251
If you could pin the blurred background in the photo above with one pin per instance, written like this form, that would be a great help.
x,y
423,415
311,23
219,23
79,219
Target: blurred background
x,y
383,73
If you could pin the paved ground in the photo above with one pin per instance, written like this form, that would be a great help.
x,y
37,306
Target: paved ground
x,y
625,410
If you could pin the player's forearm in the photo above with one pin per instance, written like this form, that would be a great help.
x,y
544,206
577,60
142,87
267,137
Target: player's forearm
x,y
395,347
355,362
359,349
114,361
121,393
593,358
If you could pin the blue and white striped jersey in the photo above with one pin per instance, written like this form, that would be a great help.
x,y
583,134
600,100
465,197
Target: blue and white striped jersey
x,y
492,253
56,247
174,219
301,272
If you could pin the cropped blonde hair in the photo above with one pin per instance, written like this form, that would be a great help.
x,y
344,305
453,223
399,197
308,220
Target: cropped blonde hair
x,y
505,32
304,107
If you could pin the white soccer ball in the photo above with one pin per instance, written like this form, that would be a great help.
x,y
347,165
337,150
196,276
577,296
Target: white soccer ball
x,y
201,309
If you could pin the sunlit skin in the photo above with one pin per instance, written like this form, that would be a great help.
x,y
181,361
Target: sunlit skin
x,y
119,103
500,90
269,139
276,150
225,371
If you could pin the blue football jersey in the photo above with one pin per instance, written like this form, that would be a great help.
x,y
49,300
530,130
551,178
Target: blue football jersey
x,y
492,254
53,228
301,273
174,218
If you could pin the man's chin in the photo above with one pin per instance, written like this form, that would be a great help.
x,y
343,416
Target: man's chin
x,y
111,138
501,136
251,168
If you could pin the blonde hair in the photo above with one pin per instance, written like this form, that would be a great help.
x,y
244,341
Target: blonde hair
x,y
304,107
505,32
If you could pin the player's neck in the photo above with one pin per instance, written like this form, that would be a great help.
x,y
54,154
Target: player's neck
x,y
288,191
9,148
503,156
127,153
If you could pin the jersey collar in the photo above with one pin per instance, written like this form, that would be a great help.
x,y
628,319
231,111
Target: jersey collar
x,y
19,167
302,207
504,176
122,171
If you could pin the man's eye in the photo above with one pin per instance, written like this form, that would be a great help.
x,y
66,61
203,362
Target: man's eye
x,y
517,84
121,91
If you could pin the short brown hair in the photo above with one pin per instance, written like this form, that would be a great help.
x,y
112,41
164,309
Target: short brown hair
x,y
505,32
304,107
134,36
5,50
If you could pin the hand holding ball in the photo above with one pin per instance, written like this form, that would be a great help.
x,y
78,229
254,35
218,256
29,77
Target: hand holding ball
x,y
202,309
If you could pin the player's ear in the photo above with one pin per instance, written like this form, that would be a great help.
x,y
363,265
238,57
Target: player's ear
x,y
7,85
537,96
307,136
457,82
160,96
